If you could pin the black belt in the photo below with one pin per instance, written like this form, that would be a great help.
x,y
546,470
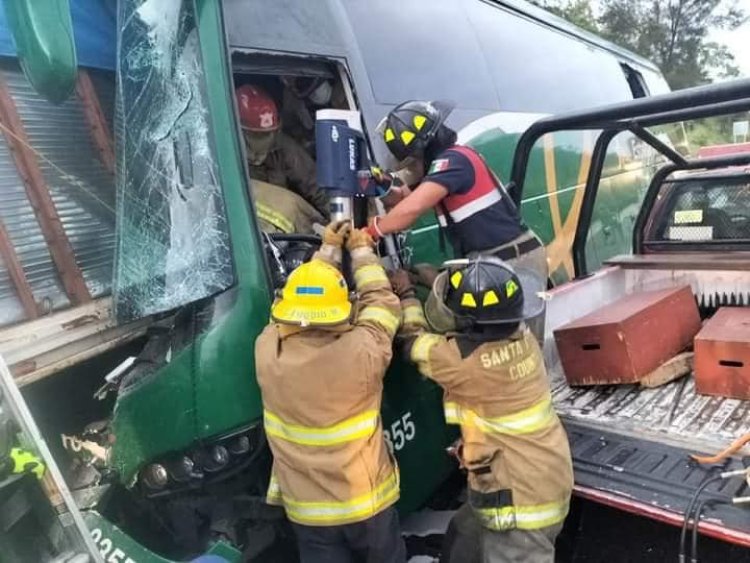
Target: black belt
x,y
516,250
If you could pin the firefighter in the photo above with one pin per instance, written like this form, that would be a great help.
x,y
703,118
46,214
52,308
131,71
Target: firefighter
x,y
475,212
303,96
514,448
273,156
320,365
282,211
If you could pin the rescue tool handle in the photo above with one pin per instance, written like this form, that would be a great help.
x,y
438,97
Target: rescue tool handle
x,y
731,363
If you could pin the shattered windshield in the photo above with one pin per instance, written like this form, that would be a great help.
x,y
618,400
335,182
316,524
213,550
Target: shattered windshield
x,y
172,233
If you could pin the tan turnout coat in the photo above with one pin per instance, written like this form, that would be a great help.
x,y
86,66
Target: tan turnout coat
x,y
283,211
290,166
515,449
322,395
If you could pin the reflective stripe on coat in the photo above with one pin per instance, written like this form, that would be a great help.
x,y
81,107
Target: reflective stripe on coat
x,y
515,448
322,397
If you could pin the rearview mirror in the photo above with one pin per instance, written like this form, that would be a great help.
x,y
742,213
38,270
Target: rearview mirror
x,y
43,33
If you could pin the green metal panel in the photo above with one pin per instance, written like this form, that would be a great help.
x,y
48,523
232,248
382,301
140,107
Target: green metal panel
x,y
118,547
209,388
226,353
43,33
423,461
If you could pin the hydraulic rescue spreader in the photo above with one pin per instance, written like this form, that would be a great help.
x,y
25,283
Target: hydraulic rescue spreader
x,y
345,171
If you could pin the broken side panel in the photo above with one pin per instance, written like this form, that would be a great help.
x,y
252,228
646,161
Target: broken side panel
x,y
172,235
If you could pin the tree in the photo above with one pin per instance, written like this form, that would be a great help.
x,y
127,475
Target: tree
x,y
672,33
578,12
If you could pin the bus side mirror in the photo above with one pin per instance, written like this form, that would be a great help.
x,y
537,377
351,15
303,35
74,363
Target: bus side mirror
x,y
43,33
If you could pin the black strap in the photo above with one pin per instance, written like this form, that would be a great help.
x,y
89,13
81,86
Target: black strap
x,y
467,346
484,470
495,499
505,191
516,250
498,184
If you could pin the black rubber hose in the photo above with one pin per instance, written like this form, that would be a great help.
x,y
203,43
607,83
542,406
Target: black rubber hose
x,y
689,511
696,523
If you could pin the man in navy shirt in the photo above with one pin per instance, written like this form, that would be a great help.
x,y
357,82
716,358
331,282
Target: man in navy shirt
x,y
472,206
476,214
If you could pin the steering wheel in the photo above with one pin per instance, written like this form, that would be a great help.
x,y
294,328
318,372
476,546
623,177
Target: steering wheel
x,y
287,251
741,223
294,237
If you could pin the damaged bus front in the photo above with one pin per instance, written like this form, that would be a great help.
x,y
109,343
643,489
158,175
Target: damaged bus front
x,y
177,464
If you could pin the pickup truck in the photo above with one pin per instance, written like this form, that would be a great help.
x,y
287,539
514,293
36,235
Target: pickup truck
x,y
632,444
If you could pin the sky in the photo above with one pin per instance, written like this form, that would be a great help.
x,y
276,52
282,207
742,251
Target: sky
x,y
738,42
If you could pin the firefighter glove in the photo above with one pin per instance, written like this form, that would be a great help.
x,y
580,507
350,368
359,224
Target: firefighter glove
x,y
424,274
336,232
401,284
381,177
26,462
359,238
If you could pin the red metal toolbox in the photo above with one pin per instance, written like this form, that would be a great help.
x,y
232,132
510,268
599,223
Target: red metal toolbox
x,y
722,354
626,340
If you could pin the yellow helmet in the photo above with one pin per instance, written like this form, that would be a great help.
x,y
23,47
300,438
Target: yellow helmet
x,y
315,294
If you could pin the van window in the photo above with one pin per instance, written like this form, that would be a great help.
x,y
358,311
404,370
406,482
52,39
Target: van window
x,y
635,81
425,49
655,82
538,69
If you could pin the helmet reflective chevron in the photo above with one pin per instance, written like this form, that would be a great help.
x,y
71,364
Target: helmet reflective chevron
x,y
483,291
410,126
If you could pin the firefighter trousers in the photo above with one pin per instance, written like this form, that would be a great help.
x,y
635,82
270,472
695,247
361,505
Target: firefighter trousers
x,y
376,540
467,541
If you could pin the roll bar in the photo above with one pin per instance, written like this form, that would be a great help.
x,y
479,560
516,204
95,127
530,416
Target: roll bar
x,y
633,116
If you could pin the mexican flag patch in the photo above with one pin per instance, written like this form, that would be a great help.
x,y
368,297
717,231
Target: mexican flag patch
x,y
439,165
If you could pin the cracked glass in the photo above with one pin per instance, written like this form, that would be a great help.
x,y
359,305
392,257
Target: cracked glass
x,y
172,236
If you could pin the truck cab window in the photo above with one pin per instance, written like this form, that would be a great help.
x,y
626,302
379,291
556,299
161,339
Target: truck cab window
x,y
701,210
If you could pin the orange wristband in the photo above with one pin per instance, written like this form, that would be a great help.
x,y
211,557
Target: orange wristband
x,y
373,232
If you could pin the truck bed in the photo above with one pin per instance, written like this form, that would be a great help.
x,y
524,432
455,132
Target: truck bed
x,y
631,444
671,414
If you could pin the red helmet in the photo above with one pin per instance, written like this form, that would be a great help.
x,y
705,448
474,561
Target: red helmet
x,y
257,109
